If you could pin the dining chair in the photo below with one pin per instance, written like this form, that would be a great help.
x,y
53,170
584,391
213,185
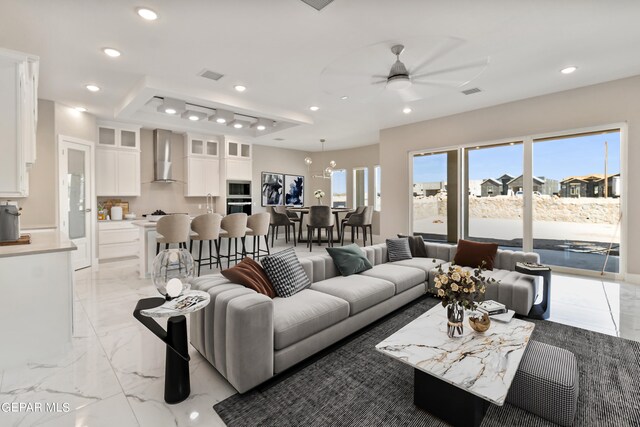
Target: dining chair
x,y
279,218
360,220
173,229
320,217
358,210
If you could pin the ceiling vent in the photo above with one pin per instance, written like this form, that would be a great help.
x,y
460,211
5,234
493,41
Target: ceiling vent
x,y
211,75
471,91
278,139
317,4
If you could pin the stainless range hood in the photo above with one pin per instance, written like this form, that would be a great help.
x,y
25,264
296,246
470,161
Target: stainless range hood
x,y
162,156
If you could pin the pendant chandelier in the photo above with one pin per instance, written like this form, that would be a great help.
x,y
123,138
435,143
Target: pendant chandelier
x,y
326,173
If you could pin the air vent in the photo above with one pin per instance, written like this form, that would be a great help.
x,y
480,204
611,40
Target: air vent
x,y
317,4
471,91
211,75
278,139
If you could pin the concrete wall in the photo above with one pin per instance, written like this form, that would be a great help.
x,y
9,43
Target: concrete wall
x,y
602,104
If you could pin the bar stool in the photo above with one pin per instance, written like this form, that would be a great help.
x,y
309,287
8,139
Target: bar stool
x,y
258,225
173,229
360,220
206,227
320,217
233,226
279,218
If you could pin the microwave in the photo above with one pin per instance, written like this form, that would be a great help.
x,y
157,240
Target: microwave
x,y
238,188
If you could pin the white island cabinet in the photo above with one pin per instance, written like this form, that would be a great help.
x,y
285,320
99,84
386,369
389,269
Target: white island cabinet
x,y
19,106
36,308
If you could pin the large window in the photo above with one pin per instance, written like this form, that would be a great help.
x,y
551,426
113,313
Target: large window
x,y
361,187
377,201
494,199
576,200
339,188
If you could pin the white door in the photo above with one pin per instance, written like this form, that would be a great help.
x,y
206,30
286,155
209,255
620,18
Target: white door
x,y
76,198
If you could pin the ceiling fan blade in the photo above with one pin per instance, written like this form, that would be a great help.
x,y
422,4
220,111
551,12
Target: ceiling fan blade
x,y
345,73
379,76
379,82
434,84
450,45
483,62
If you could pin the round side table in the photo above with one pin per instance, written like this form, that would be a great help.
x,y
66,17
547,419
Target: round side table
x,y
177,386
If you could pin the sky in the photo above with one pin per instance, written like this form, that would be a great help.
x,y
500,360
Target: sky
x,y
555,159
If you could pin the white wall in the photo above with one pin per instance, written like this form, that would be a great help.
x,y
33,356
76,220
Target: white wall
x,y
601,104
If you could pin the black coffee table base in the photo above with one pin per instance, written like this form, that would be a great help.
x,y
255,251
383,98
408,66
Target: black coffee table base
x,y
447,402
177,386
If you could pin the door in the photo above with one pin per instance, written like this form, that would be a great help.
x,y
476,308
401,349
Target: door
x,y
76,198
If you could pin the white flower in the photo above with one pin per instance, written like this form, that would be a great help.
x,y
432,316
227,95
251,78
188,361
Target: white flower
x,y
455,277
454,287
444,279
440,292
318,194
438,284
458,268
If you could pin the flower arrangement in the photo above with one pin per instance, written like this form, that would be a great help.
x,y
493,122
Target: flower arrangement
x,y
318,194
463,287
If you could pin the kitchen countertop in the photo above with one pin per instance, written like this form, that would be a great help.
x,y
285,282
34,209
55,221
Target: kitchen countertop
x,y
42,242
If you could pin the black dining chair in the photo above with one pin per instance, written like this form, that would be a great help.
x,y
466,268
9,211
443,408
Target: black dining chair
x,y
361,220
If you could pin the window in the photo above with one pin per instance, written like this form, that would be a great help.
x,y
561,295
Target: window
x,y
493,206
339,188
576,225
360,187
377,201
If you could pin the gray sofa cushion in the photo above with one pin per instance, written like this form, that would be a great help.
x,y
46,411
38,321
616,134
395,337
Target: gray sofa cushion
x,y
424,264
361,292
304,314
403,277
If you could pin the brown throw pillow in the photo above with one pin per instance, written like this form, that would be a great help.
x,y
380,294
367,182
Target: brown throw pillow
x,y
416,246
471,254
250,274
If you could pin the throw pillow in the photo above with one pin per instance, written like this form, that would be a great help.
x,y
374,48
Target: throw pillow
x,y
250,274
398,249
285,273
416,246
349,259
472,254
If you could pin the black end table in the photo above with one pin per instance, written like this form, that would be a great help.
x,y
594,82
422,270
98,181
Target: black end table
x,y
177,385
542,310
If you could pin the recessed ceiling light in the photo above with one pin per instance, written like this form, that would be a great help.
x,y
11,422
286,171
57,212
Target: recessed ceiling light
x,y
92,88
147,14
81,109
261,127
344,97
406,110
170,111
194,118
569,70
240,88
314,108
237,125
111,52
221,120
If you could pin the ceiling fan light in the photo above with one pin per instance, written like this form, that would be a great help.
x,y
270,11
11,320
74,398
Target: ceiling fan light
x,y
399,82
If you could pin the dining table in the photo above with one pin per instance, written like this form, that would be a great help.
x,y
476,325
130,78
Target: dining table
x,y
304,210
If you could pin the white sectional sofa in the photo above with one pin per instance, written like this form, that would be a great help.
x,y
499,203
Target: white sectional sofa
x,y
249,337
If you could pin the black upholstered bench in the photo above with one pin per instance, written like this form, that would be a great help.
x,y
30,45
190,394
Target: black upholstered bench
x,y
546,383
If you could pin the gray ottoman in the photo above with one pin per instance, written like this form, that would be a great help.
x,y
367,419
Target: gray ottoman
x,y
546,383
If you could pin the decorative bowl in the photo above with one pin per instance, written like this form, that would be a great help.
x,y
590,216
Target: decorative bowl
x,y
480,322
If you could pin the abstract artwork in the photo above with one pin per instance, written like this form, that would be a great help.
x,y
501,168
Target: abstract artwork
x,y
294,190
272,189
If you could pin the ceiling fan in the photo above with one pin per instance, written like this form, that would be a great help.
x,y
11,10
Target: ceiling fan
x,y
446,66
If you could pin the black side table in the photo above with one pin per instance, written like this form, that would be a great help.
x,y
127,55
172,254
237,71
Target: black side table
x,y
177,386
542,310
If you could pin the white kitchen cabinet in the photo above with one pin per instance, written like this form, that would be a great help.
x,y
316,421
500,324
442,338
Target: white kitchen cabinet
x,y
117,239
202,165
238,150
239,170
18,122
118,160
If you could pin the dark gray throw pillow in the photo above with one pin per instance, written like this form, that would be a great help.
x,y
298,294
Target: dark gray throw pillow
x,y
285,273
398,249
349,259
416,246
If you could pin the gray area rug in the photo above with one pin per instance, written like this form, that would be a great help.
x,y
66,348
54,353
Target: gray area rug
x,y
354,385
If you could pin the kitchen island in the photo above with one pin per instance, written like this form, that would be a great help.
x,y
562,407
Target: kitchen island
x,y
36,308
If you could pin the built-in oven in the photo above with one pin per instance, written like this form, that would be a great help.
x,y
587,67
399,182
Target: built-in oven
x,y
237,189
238,205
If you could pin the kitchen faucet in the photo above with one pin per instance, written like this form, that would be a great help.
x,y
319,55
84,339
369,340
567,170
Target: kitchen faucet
x,y
209,203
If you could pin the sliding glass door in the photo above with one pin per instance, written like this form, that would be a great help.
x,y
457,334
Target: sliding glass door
x,y
576,200
494,196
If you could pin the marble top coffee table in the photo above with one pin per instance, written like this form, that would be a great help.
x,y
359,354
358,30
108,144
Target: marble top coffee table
x,y
455,379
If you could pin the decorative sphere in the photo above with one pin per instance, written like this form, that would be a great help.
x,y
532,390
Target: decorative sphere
x,y
328,170
308,160
332,163
172,272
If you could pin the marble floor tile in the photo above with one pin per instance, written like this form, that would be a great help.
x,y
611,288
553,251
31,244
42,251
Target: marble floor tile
x,y
587,318
109,412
